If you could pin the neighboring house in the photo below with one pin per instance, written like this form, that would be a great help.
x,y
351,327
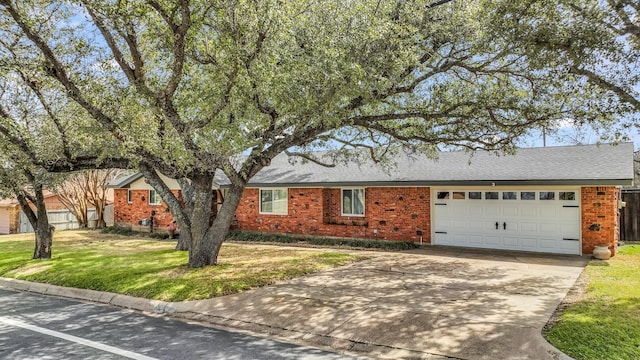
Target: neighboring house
x,y
554,200
11,213
9,216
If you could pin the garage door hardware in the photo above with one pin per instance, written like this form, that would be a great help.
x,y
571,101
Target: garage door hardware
x,y
571,206
504,225
570,239
441,232
440,204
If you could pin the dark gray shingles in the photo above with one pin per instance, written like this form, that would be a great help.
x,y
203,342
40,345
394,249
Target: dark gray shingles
x,y
565,163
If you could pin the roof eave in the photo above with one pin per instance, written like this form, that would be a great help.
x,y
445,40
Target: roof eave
x,y
552,182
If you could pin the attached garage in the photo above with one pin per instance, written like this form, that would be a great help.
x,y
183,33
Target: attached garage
x,y
525,219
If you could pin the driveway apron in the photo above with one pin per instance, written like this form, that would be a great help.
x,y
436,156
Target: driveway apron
x,y
432,303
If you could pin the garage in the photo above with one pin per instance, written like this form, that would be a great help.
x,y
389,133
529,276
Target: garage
x,y
529,219
4,220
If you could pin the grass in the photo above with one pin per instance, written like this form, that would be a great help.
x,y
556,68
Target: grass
x,y
153,269
605,324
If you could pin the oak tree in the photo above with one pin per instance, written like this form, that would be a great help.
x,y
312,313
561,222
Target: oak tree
x,y
190,89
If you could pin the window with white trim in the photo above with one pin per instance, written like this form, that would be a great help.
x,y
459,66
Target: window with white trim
x,y
353,202
154,198
129,196
273,201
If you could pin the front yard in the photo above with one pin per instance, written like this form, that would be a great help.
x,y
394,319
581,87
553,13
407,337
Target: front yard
x,y
605,323
153,269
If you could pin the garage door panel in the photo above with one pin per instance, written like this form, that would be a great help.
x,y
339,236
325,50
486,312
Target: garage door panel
x,y
491,211
477,225
530,243
475,240
532,224
529,228
510,211
493,240
459,224
529,211
510,242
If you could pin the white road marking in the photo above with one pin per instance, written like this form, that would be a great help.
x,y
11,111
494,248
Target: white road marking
x,y
75,339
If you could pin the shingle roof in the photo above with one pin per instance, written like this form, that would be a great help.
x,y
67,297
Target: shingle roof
x,y
563,165
124,181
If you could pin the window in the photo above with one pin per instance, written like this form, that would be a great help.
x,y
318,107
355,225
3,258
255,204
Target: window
x,y
567,195
509,195
353,202
273,201
491,195
129,196
458,195
547,195
527,195
442,195
475,195
154,198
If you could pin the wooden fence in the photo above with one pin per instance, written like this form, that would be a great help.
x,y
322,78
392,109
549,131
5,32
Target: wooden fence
x,y
630,216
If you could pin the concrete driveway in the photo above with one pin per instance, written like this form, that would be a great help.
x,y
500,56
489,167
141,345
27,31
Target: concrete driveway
x,y
433,303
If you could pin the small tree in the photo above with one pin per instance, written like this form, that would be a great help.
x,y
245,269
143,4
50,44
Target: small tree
x,y
73,196
88,187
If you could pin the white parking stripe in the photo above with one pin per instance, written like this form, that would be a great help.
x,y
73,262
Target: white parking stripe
x,y
75,339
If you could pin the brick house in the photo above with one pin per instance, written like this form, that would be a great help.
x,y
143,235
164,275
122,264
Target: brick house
x,y
555,200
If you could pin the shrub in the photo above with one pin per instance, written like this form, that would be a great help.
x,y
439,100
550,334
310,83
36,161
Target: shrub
x,y
321,241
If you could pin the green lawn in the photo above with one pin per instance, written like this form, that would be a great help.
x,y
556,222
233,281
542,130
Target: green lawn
x,y
152,269
606,323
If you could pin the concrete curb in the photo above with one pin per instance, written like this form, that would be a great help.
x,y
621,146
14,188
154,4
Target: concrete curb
x,y
188,310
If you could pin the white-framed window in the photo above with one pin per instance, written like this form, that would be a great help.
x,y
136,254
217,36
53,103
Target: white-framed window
x,y
353,202
129,196
273,201
154,198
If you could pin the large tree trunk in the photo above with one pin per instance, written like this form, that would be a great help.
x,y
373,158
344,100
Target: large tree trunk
x,y
198,235
199,248
39,221
207,253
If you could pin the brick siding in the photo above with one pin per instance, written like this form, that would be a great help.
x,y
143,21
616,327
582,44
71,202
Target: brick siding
x,y
130,214
600,218
391,213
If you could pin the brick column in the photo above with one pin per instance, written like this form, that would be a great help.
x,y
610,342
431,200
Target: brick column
x,y
600,218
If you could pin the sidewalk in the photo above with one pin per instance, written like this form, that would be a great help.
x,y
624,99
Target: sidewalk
x,y
441,305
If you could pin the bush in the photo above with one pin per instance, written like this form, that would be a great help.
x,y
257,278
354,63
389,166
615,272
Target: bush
x,y
321,241
129,232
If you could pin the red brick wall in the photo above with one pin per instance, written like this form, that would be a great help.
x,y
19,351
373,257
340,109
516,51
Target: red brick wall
x,y
138,209
600,218
392,213
53,203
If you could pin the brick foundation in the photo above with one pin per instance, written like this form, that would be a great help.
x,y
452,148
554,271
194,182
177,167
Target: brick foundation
x,y
600,218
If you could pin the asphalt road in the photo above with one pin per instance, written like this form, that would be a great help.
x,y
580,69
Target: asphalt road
x,y
41,327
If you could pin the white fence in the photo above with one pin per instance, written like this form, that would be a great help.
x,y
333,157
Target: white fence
x,y
64,219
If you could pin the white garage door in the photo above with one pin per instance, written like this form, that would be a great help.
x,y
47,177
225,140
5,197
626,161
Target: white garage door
x,y
546,220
